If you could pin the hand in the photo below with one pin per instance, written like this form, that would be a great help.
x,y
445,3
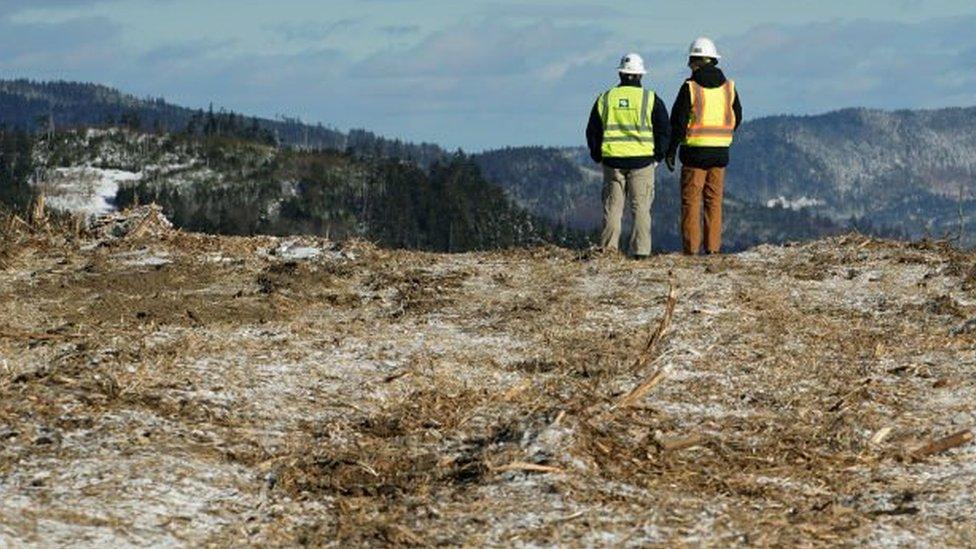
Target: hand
x,y
669,161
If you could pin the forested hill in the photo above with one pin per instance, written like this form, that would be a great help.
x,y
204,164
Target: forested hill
x,y
227,173
565,185
904,173
235,186
43,106
911,168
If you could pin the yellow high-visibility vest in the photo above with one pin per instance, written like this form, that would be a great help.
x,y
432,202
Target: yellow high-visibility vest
x,y
712,120
628,130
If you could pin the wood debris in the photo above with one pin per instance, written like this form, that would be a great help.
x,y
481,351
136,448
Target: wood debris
x,y
681,443
881,435
943,444
639,392
528,467
521,398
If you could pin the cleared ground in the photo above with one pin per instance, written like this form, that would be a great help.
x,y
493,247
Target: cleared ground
x,y
169,388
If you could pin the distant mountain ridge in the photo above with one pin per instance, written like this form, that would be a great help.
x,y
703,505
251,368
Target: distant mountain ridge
x,y
910,168
902,173
35,106
835,155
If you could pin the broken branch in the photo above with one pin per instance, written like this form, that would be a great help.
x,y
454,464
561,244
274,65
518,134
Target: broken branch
x,y
395,376
648,353
528,467
683,443
639,392
943,444
881,435
37,336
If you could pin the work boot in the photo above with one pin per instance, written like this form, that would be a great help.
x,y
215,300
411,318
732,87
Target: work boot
x,y
596,252
714,262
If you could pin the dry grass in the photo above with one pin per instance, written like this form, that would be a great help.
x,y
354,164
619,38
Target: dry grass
x,y
220,393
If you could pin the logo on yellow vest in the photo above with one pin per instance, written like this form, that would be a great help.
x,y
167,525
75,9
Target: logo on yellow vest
x,y
624,104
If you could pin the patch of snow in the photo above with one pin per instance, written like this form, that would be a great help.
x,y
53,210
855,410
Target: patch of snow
x,y
218,258
296,250
143,258
89,191
796,204
299,253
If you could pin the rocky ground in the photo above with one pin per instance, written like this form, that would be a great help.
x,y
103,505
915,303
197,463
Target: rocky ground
x,y
158,387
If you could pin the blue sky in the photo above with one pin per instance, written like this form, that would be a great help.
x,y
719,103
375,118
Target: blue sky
x,y
480,74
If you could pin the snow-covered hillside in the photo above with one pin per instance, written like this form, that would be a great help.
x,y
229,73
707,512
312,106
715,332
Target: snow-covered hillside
x,y
84,190
82,172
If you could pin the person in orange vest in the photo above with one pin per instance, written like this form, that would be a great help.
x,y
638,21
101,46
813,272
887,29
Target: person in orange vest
x,y
704,118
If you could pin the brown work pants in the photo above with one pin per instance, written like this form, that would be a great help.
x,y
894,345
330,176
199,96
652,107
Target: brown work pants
x,y
701,185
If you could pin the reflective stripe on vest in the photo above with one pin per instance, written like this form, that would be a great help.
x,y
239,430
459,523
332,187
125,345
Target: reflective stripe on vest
x,y
712,120
627,127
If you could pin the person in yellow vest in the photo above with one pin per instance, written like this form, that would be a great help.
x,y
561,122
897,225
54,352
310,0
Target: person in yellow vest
x,y
704,118
628,134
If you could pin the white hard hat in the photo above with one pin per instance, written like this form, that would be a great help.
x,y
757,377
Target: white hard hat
x,y
704,47
631,63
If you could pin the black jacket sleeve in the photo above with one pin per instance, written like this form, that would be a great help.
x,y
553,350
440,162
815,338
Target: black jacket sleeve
x,y
680,113
662,129
594,134
737,108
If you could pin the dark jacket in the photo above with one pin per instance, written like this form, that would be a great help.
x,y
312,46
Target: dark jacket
x,y
709,76
659,120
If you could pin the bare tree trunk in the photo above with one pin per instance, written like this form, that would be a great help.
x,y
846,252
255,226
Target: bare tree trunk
x,y
962,219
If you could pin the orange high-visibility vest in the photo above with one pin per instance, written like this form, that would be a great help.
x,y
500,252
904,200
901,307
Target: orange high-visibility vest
x,y
712,120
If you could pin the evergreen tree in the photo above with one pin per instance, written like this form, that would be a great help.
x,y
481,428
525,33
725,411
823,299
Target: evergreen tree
x,y
15,169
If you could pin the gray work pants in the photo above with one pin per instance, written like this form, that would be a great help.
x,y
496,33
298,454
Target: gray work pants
x,y
637,188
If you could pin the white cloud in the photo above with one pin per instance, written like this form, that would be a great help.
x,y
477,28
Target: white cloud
x,y
824,66
485,49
